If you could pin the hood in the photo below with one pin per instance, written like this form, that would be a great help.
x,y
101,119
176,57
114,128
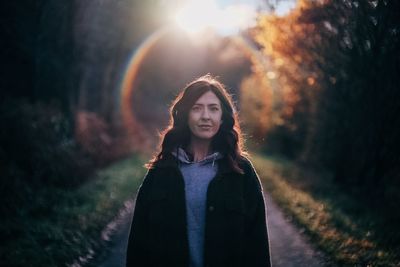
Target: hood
x,y
183,157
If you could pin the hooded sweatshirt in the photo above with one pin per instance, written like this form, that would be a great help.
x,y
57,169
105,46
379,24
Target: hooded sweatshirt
x,y
197,176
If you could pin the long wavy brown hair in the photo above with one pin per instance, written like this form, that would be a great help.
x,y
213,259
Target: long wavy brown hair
x,y
228,139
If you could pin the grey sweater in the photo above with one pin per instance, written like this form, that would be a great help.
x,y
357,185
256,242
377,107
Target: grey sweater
x,y
197,176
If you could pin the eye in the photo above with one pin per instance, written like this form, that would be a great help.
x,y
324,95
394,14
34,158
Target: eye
x,y
215,108
195,108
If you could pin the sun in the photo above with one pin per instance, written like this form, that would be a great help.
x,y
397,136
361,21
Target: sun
x,y
195,16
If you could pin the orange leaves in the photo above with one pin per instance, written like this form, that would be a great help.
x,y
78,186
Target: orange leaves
x,y
292,46
256,104
310,80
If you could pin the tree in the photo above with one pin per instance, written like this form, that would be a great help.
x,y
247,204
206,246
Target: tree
x,y
340,60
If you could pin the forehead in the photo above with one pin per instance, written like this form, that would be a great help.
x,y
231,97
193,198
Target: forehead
x,y
208,98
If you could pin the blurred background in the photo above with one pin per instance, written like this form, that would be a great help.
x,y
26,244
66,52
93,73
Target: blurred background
x,y
86,87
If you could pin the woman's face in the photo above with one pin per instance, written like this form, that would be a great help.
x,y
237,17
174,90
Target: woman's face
x,y
205,116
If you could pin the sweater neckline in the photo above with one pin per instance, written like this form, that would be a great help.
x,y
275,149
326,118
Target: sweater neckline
x,y
184,157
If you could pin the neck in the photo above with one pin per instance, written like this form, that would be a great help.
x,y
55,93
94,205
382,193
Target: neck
x,y
199,148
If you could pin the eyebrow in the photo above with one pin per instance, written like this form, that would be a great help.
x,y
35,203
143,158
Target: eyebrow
x,y
213,104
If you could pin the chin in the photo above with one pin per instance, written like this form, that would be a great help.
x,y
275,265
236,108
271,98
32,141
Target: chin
x,y
205,136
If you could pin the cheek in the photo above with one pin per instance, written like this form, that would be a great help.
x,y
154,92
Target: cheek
x,y
190,117
218,121
219,117
192,120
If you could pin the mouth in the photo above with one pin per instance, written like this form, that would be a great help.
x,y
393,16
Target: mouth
x,y
205,127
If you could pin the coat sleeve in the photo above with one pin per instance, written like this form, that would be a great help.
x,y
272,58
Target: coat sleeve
x,y
137,249
257,249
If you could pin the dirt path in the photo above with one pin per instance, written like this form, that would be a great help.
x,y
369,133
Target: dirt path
x,y
289,246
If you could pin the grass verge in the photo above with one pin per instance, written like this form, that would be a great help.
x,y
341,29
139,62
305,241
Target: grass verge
x,y
61,225
346,229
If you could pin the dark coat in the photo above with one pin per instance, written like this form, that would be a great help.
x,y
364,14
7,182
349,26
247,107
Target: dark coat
x,y
235,232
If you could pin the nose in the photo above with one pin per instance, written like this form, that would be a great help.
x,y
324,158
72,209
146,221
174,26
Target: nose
x,y
205,114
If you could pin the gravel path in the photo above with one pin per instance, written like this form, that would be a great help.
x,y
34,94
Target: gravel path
x,y
289,246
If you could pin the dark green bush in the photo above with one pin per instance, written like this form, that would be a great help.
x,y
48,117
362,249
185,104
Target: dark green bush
x,y
37,150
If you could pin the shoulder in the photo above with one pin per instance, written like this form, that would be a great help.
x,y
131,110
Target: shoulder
x,y
153,179
153,173
250,172
162,170
165,161
246,165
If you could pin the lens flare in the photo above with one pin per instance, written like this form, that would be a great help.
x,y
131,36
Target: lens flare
x,y
129,80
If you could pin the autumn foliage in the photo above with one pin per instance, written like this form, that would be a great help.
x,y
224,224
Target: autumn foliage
x,y
335,85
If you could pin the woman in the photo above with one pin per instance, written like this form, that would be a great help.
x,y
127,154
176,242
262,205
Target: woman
x,y
201,202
